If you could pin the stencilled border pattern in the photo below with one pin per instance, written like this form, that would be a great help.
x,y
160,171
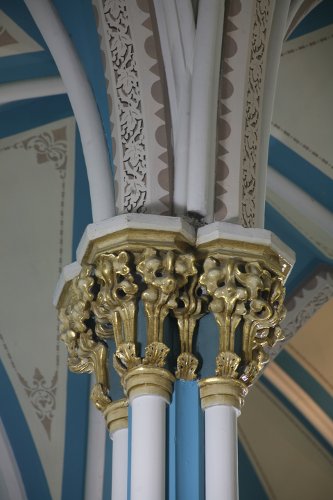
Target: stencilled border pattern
x,y
306,148
132,176
254,92
130,145
48,148
226,90
163,175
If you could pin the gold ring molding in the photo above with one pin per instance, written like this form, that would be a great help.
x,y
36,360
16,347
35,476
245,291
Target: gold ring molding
x,y
173,272
222,391
116,415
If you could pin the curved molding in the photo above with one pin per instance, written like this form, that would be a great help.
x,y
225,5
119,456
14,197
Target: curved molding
x,y
27,89
310,218
298,10
301,400
83,103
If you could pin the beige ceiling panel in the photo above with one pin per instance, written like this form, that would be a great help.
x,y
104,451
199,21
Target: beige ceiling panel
x,y
13,40
36,216
312,347
303,108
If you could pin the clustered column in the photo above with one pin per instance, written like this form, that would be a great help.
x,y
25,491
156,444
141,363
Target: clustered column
x,y
239,282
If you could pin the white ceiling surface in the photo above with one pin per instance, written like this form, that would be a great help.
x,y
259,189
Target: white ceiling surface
x,y
303,108
31,195
13,40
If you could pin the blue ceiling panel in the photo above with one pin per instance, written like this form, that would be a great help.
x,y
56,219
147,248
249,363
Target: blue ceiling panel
x,y
319,17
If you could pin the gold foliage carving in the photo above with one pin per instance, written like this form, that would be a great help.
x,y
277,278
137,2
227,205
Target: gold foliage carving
x,y
247,300
227,364
187,365
125,358
155,354
244,293
171,285
116,300
86,353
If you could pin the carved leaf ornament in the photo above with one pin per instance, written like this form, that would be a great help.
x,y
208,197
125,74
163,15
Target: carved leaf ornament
x,y
246,299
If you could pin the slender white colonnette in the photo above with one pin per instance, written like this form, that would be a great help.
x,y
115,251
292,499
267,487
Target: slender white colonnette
x,y
206,67
177,34
119,464
148,448
95,453
28,89
83,104
221,457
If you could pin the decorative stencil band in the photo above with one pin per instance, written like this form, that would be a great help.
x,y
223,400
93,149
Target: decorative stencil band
x,y
254,92
138,103
226,91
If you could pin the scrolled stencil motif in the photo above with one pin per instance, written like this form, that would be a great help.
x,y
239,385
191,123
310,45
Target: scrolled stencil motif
x,y
42,397
134,167
254,93
49,147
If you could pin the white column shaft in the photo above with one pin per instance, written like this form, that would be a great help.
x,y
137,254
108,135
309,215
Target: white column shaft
x,y
95,453
206,69
119,464
83,104
221,457
148,448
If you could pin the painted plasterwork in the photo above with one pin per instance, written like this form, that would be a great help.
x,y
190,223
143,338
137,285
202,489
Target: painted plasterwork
x,y
13,40
244,50
318,231
234,67
36,215
291,453
306,302
304,69
312,347
260,30
135,84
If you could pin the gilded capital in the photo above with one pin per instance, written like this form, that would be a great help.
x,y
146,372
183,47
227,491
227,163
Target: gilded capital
x,y
238,280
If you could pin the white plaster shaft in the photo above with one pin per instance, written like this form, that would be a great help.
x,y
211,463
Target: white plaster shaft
x,y
148,448
83,104
95,453
221,457
28,89
119,464
206,67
